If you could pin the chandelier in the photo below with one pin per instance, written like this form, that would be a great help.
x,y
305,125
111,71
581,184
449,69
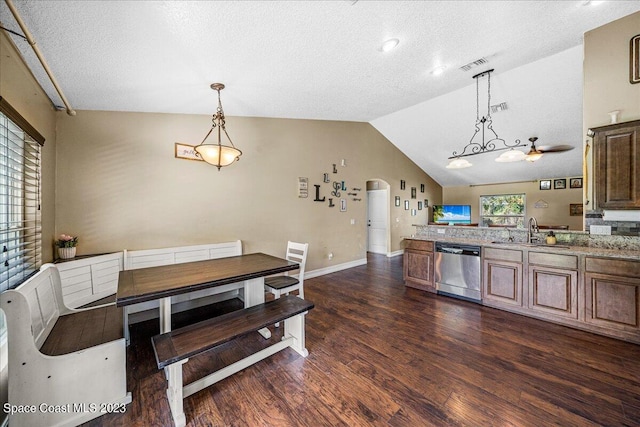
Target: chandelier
x,y
218,154
484,129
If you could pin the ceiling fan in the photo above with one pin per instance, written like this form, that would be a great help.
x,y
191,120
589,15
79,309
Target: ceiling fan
x,y
536,152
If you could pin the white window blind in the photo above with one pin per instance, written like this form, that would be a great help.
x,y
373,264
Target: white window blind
x,y
20,222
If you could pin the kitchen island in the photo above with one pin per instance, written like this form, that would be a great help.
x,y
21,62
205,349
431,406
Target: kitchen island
x,y
594,288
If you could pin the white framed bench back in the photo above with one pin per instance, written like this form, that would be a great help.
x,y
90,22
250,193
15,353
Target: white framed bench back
x,y
166,256
89,279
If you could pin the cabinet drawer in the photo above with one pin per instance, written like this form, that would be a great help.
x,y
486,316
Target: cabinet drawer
x,y
503,254
420,245
617,267
553,260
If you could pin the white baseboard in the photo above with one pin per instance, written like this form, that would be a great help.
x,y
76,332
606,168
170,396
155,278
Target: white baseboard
x,y
334,268
396,253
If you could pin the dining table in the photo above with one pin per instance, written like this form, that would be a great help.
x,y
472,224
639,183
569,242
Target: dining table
x,y
165,281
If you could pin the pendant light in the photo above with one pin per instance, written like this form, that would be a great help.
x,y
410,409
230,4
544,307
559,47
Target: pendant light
x,y
484,125
218,154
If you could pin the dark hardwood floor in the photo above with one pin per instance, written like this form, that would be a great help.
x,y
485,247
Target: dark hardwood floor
x,y
380,354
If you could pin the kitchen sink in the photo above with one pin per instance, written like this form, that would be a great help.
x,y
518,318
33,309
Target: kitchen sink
x,y
532,245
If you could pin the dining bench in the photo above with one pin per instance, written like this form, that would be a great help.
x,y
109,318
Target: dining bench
x,y
174,348
66,366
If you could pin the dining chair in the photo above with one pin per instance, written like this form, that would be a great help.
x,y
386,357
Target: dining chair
x,y
283,284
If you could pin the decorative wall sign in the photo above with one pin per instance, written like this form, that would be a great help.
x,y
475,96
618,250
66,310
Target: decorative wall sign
x,y
559,184
413,192
426,203
402,184
356,200
398,201
331,203
406,205
335,170
185,151
325,177
419,206
422,188
541,204
343,205
356,189
634,60
303,187
318,199
344,186
413,212
336,186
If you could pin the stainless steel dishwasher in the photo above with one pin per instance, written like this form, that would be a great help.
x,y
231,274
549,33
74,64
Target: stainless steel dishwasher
x,y
457,271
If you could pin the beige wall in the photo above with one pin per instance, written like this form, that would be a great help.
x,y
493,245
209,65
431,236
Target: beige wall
x,y
606,78
119,185
557,213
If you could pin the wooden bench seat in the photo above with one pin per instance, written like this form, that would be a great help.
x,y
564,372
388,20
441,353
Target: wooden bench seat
x,y
85,329
174,348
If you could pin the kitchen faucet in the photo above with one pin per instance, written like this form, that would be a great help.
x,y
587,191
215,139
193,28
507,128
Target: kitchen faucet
x,y
533,228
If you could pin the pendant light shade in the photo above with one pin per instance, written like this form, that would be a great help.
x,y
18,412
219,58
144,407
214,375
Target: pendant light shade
x,y
218,154
511,156
459,163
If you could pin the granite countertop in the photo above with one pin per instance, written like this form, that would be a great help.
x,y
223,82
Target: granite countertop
x,y
560,248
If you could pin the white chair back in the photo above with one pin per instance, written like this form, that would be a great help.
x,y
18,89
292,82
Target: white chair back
x,y
297,252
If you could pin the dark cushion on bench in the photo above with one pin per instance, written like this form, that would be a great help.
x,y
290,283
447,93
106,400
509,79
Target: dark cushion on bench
x,y
280,282
191,340
88,328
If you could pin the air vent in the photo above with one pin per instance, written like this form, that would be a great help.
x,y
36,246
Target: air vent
x,y
474,64
499,107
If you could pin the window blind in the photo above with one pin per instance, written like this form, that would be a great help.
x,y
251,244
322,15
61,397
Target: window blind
x,y
20,215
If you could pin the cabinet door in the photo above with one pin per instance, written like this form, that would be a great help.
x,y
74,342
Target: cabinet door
x,y
502,282
553,291
613,301
418,270
617,166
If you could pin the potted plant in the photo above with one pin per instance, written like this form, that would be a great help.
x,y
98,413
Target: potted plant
x,y
66,246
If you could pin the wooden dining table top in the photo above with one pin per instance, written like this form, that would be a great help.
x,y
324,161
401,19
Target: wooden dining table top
x,y
152,283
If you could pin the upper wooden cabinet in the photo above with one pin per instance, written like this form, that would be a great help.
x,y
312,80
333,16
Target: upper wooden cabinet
x,y
617,165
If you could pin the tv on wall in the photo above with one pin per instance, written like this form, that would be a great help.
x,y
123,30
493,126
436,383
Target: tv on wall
x,y
452,214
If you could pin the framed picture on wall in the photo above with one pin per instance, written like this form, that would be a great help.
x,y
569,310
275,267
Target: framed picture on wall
x,y
559,184
575,183
398,201
545,184
575,209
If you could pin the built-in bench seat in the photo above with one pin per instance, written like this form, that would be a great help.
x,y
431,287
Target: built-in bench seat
x,y
174,348
61,357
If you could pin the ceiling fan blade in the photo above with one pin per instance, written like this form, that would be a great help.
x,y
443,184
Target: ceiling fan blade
x,y
555,148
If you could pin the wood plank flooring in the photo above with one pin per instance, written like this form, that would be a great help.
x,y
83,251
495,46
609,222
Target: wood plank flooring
x,y
382,354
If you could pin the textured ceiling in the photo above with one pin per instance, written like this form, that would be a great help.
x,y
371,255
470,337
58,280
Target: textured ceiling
x,y
322,60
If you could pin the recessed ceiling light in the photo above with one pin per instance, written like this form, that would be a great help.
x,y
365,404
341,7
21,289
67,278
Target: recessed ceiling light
x,y
438,70
390,45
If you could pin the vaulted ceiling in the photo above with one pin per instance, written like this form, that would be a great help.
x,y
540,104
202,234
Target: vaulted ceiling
x,y
323,60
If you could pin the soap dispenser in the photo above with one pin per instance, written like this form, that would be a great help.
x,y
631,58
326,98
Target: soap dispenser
x,y
551,238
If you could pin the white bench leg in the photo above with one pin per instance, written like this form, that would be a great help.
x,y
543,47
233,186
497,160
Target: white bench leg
x,y
174,392
254,295
294,327
165,314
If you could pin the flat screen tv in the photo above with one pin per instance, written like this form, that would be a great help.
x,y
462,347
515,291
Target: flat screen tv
x,y
452,214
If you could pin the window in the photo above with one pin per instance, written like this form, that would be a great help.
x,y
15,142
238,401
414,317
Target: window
x,y
502,210
20,229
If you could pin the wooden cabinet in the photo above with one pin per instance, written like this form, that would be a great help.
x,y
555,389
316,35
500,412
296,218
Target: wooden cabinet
x,y
612,296
502,277
418,265
553,284
617,165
